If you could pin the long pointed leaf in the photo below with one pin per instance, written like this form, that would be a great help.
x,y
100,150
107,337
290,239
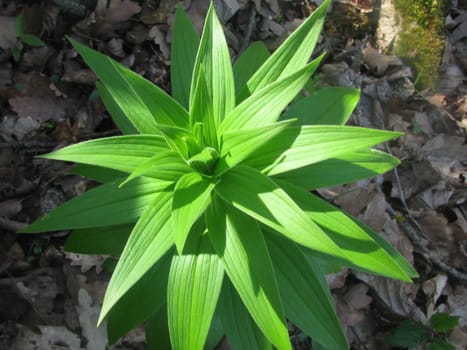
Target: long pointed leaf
x,y
185,44
143,103
97,173
201,112
165,165
143,299
265,106
99,240
307,300
195,281
306,145
102,206
248,63
213,54
330,106
157,331
358,165
150,239
239,145
240,243
242,332
191,198
360,249
293,53
123,123
256,195
124,153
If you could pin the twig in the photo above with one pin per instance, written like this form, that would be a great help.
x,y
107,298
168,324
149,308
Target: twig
x,y
249,29
415,239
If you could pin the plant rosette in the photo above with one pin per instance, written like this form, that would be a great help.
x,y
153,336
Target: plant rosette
x,y
206,199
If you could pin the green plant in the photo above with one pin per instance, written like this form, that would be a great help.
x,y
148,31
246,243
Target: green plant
x,y
205,199
23,38
410,334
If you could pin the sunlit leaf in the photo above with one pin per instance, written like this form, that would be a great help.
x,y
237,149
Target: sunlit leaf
x,y
190,199
265,106
195,281
292,55
255,194
150,239
143,299
213,55
358,165
102,206
240,243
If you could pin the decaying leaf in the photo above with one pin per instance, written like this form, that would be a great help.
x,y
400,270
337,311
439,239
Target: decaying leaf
x,y
88,314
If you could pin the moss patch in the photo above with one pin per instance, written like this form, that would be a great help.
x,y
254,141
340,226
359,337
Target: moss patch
x,y
421,40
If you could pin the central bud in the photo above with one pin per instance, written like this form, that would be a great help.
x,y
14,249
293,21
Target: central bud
x,y
205,161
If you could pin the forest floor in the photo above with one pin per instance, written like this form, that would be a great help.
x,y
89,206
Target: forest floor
x,y
50,299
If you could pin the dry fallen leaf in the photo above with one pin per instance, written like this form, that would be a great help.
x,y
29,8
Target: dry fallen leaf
x,y
48,337
86,262
88,316
397,297
39,108
433,289
121,11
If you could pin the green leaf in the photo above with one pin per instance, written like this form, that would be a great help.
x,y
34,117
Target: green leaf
x,y
124,153
343,169
240,243
143,299
157,331
395,255
360,249
408,334
143,103
20,24
16,53
185,44
150,239
240,329
201,112
164,166
195,281
96,173
307,145
265,106
191,198
124,124
239,145
213,55
439,344
292,55
305,294
330,105
31,40
248,63
99,240
443,322
103,206
205,161
258,196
